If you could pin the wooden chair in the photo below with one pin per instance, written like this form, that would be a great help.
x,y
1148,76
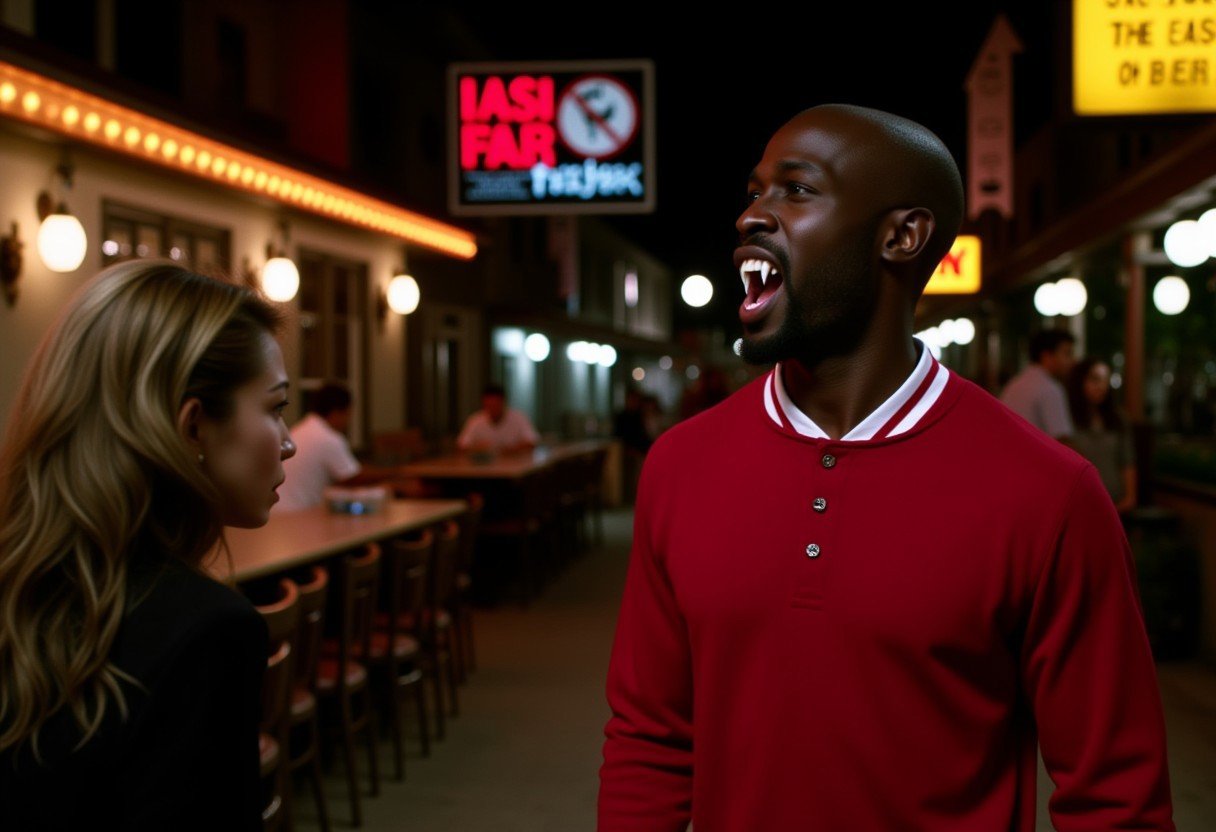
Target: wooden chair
x,y
343,681
571,503
305,730
438,634
395,447
400,667
594,484
281,616
527,527
462,602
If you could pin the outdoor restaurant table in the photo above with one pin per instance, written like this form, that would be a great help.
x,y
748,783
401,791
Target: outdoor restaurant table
x,y
500,466
296,538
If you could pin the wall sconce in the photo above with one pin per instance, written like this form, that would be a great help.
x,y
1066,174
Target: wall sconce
x,y
402,296
61,240
10,264
280,277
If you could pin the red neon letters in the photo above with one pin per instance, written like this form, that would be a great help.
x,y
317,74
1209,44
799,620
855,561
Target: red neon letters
x,y
507,123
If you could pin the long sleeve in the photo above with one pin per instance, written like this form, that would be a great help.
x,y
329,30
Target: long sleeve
x,y
1089,676
193,760
646,778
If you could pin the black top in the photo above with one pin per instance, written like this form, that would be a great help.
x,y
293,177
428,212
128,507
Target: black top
x,y
186,757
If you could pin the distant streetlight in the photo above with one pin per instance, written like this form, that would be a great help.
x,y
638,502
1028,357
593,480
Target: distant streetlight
x,y
1047,300
1184,244
1071,296
697,290
964,331
1171,295
536,347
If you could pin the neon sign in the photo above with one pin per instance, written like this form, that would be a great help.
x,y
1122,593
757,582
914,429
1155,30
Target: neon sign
x,y
573,137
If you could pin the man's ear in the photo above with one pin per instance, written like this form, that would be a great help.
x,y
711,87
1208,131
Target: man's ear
x,y
906,234
188,419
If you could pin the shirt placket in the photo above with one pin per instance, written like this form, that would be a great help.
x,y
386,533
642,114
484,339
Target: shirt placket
x,y
820,507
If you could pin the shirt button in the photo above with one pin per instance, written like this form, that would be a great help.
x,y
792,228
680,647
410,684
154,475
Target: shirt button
x,y
812,550
820,505
829,461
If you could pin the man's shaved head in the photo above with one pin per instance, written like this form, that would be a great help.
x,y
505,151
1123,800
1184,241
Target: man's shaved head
x,y
903,165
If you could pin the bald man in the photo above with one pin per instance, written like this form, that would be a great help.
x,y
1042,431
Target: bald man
x,y
864,608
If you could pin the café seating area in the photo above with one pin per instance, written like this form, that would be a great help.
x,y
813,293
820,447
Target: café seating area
x,y
371,616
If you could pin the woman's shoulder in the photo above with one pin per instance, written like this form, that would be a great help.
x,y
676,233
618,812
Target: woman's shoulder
x,y
175,609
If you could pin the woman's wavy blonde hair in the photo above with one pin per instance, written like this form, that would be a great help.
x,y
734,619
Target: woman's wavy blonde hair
x,y
94,472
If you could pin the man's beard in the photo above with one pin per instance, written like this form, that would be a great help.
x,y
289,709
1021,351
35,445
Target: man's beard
x,y
844,298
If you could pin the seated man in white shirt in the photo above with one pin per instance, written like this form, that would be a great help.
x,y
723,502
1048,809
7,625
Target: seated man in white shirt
x,y
496,427
323,457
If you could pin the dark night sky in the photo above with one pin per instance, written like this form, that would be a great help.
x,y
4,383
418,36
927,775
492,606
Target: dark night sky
x,y
724,84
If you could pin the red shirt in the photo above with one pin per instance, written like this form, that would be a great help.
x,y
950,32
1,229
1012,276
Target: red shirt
x,y
835,635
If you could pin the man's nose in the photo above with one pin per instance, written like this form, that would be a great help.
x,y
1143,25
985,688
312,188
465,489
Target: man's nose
x,y
755,217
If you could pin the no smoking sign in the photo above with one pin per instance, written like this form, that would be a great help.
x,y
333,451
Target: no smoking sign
x,y
553,137
597,117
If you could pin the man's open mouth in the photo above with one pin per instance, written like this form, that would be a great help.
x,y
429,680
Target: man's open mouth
x,y
761,280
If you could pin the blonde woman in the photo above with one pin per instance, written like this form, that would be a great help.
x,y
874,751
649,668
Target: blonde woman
x,y
150,417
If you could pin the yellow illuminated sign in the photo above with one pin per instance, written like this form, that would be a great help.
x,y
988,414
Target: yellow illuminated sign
x,y
32,98
1143,56
959,271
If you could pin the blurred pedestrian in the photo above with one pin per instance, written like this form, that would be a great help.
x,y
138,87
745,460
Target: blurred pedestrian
x,y
1037,392
130,680
629,426
1102,433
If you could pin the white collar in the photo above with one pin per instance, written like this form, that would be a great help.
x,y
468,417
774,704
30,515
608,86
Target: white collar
x,y
898,414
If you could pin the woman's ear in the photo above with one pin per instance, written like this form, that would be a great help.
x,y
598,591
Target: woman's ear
x,y
188,419
908,232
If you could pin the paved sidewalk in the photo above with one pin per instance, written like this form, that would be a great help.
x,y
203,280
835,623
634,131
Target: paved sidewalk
x,y
524,754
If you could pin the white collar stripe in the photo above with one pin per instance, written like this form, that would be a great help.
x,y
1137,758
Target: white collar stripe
x,y
768,400
914,398
798,420
870,426
927,401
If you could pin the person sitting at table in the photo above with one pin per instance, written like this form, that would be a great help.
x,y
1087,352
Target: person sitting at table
x,y
323,457
130,681
496,427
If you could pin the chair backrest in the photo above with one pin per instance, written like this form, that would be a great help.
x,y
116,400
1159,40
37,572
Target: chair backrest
x,y
314,589
397,446
470,523
539,493
444,565
408,567
360,574
281,617
594,463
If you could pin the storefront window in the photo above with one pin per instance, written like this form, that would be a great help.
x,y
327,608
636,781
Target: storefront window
x,y
334,330
130,232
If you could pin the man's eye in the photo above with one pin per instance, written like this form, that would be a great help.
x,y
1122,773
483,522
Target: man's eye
x,y
752,196
799,188
280,407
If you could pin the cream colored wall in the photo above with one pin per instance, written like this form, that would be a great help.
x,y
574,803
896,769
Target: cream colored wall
x,y
26,164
